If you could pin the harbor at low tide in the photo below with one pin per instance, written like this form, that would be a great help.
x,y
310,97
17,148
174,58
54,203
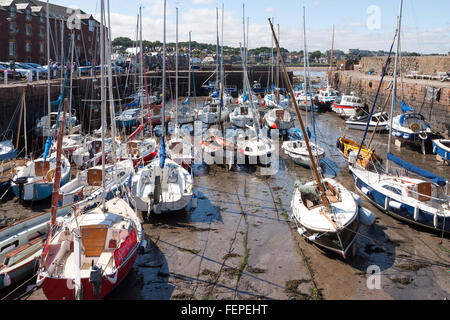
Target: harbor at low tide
x,y
239,243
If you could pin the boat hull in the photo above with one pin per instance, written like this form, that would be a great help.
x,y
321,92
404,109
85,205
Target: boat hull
x,y
405,212
62,289
442,150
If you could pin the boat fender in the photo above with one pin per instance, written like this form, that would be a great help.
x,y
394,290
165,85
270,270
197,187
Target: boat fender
x,y
357,199
406,136
423,136
416,213
366,191
396,205
6,280
194,201
366,216
95,277
435,220
113,280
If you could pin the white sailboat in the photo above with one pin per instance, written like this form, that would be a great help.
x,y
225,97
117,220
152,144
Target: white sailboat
x,y
324,211
163,185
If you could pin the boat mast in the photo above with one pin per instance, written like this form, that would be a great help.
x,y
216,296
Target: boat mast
x,y
164,76
71,82
48,68
190,65
277,79
394,96
331,63
291,92
305,58
176,77
102,92
217,47
112,109
141,78
222,80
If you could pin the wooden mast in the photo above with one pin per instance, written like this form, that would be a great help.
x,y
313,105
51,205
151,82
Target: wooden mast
x,y
291,92
20,119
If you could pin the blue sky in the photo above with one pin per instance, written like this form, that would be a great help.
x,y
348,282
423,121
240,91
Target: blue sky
x,y
425,28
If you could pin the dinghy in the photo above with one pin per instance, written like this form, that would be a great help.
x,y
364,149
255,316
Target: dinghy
x,y
21,247
297,151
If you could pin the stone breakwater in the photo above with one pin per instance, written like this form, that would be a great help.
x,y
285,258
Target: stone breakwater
x,y
411,91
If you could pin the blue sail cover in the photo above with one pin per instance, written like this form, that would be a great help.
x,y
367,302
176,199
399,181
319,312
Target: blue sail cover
x,y
48,146
406,108
421,172
9,156
162,154
187,101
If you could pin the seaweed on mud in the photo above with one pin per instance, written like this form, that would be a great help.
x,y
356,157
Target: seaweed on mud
x,y
255,270
230,255
183,296
193,251
207,272
291,288
404,280
412,266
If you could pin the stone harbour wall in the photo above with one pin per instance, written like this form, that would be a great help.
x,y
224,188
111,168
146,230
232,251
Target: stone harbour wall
x,y
426,65
436,112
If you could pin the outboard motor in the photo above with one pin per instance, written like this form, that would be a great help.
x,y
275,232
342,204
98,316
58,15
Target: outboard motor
x,y
96,279
21,182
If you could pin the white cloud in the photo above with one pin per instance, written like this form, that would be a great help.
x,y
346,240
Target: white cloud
x,y
202,1
270,9
202,23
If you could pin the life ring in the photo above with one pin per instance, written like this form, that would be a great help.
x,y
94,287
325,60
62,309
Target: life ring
x,y
50,175
414,127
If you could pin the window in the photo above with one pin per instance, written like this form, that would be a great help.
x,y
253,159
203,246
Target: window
x,y
41,47
28,29
42,16
78,37
42,32
28,14
394,190
27,47
12,27
11,48
89,38
12,12
91,25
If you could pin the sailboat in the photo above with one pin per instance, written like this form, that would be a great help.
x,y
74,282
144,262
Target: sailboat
x,y
420,201
163,185
22,243
254,145
324,211
94,251
297,149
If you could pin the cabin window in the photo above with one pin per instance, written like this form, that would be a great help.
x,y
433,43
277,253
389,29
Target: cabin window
x,y
394,190
10,246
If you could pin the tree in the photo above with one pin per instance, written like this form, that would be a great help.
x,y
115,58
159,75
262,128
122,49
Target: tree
x,y
123,41
316,55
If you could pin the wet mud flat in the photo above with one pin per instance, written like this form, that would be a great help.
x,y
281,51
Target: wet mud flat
x,y
240,243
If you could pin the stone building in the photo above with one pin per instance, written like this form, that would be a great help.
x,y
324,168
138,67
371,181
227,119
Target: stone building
x,y
23,33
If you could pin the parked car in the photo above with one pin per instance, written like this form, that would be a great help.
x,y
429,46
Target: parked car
x,y
25,67
10,74
19,71
43,72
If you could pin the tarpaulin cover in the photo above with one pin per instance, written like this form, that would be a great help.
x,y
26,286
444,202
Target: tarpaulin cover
x,y
421,172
